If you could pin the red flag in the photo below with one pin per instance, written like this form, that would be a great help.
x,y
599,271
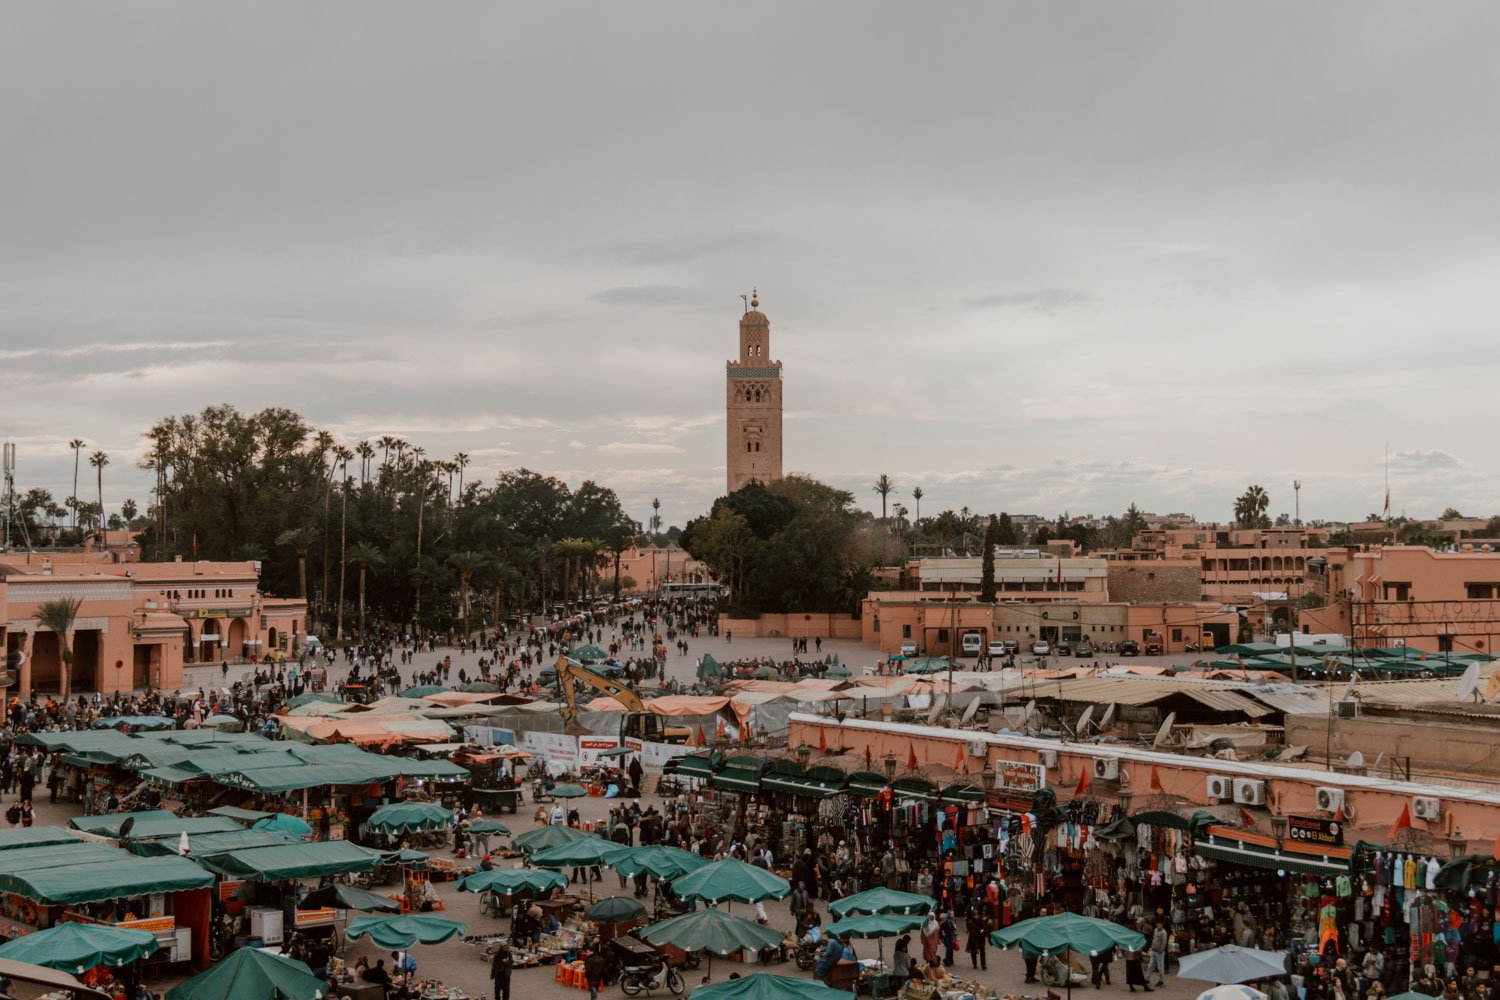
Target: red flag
x,y
869,759
744,735
701,738
1246,817
720,732
822,740
911,758
1403,822
1338,814
1156,780
958,760
1083,782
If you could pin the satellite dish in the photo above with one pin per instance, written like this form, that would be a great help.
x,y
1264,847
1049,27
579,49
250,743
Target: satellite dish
x,y
1468,683
1165,732
937,708
1084,720
969,712
1109,716
126,827
1030,710
1356,759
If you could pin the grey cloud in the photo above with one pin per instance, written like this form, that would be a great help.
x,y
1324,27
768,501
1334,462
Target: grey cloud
x,y
1044,300
682,249
655,295
1423,460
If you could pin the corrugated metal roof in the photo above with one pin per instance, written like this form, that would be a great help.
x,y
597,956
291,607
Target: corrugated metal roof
x,y
1226,701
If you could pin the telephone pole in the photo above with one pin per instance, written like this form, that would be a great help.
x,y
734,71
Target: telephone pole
x,y
1297,492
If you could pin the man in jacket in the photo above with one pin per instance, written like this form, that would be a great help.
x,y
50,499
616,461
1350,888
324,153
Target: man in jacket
x,y
500,967
1158,955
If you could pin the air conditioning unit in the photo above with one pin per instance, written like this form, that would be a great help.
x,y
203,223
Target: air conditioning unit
x,y
1249,792
1107,768
1330,799
1347,709
1220,787
1048,759
978,748
1426,807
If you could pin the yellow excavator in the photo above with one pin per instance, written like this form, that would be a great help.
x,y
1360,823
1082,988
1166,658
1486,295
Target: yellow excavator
x,y
639,722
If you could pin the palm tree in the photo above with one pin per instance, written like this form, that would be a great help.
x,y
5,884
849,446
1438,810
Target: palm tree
x,y
344,455
77,444
58,616
885,486
1251,506
299,539
364,555
386,444
461,459
365,451
467,564
917,493
99,460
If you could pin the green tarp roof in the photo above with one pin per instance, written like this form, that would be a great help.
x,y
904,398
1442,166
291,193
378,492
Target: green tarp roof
x,y
211,843
275,864
295,778
54,855
35,836
151,827
91,883
243,815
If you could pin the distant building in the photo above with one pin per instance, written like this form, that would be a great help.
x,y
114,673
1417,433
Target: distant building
x,y
753,403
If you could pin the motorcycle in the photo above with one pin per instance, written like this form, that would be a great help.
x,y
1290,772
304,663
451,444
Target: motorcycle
x,y
807,955
635,978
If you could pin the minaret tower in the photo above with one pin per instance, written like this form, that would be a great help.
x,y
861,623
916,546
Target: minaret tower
x,y
753,403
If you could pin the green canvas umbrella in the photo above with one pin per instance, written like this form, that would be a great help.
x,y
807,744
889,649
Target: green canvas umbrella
x,y
422,690
568,791
1062,932
660,861
544,837
404,817
480,687
347,897
836,671
584,851
223,720
588,654
709,667
881,900
252,974
732,880
285,823
78,948
713,931
403,932
510,881
613,909
764,673
765,986
488,826
404,856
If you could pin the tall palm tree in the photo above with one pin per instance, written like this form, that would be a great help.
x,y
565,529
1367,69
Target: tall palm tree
x,y
77,444
344,455
885,486
366,451
58,616
917,493
467,564
386,444
365,556
99,460
461,459
299,539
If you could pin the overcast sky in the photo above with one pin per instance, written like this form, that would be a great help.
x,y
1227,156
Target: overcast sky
x,y
1031,257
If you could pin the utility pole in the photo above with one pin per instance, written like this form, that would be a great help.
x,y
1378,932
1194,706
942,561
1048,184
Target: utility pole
x,y
1297,492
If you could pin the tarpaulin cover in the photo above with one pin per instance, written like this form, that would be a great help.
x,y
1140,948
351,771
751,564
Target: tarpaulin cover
x,y
91,883
276,864
35,836
211,843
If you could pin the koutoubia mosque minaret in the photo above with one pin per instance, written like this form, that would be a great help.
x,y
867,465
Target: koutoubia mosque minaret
x,y
753,403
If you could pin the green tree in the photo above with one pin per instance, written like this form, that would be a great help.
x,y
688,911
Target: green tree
x,y
987,591
884,486
917,493
128,511
1250,508
1450,514
298,540
58,616
1005,531
467,564
77,444
366,557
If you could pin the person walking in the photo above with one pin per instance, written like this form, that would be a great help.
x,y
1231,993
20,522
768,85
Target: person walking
x,y
500,966
1134,975
977,929
1158,955
948,932
595,971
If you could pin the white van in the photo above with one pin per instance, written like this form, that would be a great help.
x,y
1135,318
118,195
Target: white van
x,y
972,643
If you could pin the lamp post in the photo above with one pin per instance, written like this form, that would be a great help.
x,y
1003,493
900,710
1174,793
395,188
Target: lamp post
x,y
803,753
890,766
988,777
1457,845
1126,797
1278,829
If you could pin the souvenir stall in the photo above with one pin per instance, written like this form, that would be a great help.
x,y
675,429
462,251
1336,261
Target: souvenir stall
x,y
1429,911
1164,874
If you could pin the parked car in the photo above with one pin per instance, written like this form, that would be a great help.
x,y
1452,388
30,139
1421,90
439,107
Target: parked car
x,y
1040,647
996,648
1083,647
971,643
1130,647
1012,646
1063,648
909,647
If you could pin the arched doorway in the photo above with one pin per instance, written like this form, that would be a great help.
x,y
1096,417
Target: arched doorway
x,y
235,633
271,640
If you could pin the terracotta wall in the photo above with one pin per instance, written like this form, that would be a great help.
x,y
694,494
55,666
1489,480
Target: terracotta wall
x,y
812,625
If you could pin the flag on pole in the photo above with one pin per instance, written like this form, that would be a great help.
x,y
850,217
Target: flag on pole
x,y
701,738
1403,822
869,759
1247,818
1083,782
911,757
822,740
1156,785
958,761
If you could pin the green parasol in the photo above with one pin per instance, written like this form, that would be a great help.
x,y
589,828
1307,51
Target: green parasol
x,y
881,900
580,852
764,986
252,974
567,791
1062,932
346,897
876,925
285,823
78,948
733,880
510,881
588,654
544,837
613,909
405,931
488,826
422,690
405,817
660,861
713,931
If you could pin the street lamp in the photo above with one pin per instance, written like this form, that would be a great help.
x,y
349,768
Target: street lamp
x,y
988,777
803,753
1278,829
1126,797
890,766
1457,845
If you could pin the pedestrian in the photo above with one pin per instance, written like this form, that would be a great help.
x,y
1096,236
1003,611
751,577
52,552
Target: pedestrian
x,y
595,971
1158,955
1099,967
948,932
977,929
1134,975
500,966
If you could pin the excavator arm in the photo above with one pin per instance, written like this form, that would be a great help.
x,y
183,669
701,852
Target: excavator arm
x,y
635,708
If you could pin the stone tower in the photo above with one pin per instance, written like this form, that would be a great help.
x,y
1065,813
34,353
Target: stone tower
x,y
753,403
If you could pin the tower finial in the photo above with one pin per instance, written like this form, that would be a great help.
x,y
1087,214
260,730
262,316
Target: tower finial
x,y
754,298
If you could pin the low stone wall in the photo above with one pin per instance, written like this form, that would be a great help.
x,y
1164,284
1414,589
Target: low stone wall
x,y
811,624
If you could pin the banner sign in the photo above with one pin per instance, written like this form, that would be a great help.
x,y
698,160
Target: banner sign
x,y
1314,830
